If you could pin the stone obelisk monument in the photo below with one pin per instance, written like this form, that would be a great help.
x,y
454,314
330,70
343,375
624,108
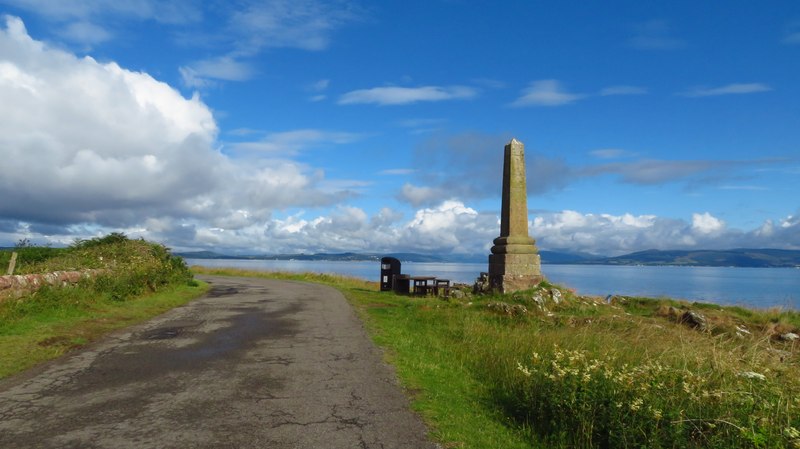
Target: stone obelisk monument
x,y
514,263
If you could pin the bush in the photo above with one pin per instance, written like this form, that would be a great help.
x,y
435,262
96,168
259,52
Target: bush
x,y
131,267
578,400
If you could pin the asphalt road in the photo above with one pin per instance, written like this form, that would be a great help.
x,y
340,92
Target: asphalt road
x,y
255,363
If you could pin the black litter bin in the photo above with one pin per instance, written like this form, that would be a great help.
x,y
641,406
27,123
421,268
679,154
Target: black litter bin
x,y
390,267
402,284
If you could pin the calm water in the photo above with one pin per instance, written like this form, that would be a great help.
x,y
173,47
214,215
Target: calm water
x,y
755,287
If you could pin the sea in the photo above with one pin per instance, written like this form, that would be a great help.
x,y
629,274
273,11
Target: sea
x,y
750,287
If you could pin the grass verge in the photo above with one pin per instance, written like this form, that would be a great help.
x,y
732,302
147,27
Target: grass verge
x,y
55,323
547,368
139,280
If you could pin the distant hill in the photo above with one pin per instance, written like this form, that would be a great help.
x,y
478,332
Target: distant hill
x,y
558,257
404,257
741,257
708,258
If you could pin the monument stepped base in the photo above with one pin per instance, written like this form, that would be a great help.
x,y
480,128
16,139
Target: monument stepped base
x,y
513,272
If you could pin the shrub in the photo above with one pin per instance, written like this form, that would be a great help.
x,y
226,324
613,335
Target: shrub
x,y
578,400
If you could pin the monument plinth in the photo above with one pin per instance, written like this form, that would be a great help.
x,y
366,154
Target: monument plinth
x,y
514,263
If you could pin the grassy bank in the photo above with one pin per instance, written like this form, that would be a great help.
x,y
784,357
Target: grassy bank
x,y
141,280
523,370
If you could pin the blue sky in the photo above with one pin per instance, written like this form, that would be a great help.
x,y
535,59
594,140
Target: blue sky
x,y
311,126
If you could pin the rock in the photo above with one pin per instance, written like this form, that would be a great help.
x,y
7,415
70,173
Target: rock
x,y
481,284
616,300
458,294
556,295
539,300
507,309
789,336
694,319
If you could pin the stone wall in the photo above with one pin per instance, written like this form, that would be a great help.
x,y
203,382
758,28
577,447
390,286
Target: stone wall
x,y
17,285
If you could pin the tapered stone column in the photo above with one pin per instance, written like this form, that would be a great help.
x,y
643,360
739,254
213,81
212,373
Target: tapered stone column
x,y
514,263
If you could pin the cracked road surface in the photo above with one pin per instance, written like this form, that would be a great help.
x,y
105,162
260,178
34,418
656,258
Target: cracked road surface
x,y
255,363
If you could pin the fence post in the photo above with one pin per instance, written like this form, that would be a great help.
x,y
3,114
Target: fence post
x,y
12,264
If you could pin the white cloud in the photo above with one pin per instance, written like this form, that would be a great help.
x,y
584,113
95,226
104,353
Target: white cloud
x,y
792,35
175,11
223,68
397,171
81,21
792,38
706,223
290,142
546,93
85,32
320,85
622,90
729,89
305,24
416,195
654,35
406,95
132,150
607,234
610,153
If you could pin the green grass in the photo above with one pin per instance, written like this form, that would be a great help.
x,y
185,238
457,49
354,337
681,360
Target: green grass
x,y
583,373
43,327
139,280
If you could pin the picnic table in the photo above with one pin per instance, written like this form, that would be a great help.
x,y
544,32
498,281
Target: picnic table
x,y
425,285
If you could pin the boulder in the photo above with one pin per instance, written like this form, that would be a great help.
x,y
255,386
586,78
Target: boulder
x,y
540,301
507,309
694,319
481,284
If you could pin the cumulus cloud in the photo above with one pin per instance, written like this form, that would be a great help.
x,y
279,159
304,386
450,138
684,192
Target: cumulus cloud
x,y
546,93
406,95
729,89
607,234
449,228
452,227
706,223
91,142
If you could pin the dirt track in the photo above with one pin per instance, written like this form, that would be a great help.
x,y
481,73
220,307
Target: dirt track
x,y
256,363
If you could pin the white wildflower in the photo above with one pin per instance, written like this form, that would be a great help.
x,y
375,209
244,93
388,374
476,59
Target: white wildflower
x,y
753,375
